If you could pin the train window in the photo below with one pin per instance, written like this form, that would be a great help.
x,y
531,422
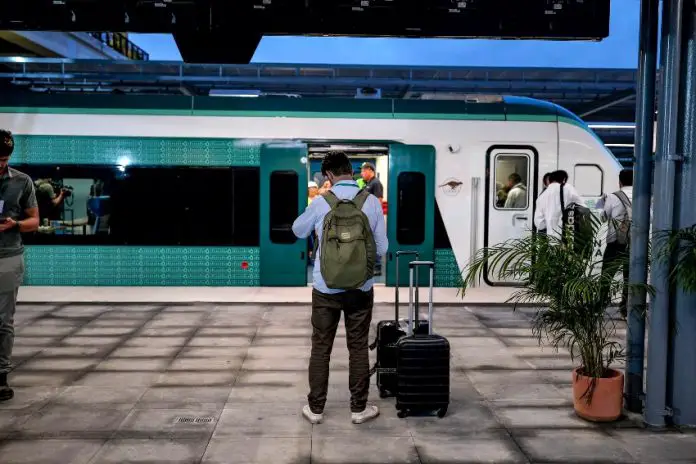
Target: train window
x,y
141,205
511,182
588,180
284,205
410,220
75,203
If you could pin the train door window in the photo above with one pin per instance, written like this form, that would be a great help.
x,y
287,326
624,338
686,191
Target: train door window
x,y
511,174
410,208
588,180
283,205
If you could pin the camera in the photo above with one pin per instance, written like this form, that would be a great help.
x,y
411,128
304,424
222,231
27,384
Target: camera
x,y
57,187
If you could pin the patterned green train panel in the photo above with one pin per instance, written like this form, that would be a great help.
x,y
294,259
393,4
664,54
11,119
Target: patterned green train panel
x,y
44,149
142,266
447,272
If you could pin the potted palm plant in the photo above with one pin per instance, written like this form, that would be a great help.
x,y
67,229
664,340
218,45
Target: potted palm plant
x,y
565,282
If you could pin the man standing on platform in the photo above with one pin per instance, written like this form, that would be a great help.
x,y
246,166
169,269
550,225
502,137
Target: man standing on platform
x,y
18,213
617,211
343,282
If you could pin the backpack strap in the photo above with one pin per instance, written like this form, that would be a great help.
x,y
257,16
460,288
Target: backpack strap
x,y
361,198
623,198
331,198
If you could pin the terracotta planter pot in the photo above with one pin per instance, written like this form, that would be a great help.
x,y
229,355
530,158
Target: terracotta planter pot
x,y
607,398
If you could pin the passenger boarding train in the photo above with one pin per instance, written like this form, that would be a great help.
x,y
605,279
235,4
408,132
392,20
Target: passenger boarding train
x,y
202,191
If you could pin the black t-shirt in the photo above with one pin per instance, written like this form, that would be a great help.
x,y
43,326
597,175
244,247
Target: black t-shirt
x,y
374,186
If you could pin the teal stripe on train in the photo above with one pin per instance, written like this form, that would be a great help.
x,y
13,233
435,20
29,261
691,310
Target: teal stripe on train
x,y
447,272
158,151
142,266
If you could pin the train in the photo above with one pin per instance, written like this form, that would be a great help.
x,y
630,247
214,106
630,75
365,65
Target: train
x,y
202,191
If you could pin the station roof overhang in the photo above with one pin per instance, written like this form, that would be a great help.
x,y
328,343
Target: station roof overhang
x,y
603,97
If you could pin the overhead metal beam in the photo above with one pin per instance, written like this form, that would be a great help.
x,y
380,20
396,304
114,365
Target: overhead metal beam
x,y
609,101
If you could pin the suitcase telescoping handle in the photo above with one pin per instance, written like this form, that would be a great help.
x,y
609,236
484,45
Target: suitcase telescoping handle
x,y
413,309
396,297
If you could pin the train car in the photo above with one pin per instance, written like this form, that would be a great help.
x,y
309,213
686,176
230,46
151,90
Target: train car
x,y
202,191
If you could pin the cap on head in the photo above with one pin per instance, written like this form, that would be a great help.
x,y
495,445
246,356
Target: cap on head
x,y
368,165
312,184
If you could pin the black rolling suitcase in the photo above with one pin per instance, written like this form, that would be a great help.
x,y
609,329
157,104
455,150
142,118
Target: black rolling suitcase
x,y
422,360
388,333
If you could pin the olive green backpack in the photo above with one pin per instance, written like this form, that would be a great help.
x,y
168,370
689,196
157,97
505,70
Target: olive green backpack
x,y
348,249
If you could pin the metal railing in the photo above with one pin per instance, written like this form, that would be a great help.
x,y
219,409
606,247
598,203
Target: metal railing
x,y
120,42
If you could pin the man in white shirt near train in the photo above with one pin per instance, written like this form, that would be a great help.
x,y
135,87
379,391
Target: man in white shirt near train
x,y
549,215
617,211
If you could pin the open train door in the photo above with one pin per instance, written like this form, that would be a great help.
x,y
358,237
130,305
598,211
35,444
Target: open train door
x,y
411,215
513,219
283,198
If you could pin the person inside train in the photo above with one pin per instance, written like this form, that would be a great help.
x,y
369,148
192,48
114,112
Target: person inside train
x,y
375,187
372,182
548,216
328,303
501,192
517,193
617,212
50,202
19,213
312,191
325,187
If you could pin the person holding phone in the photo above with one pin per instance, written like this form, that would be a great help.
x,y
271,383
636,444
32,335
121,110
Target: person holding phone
x,y
19,213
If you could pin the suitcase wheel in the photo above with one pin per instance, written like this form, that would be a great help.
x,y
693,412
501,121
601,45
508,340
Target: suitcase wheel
x,y
442,412
402,413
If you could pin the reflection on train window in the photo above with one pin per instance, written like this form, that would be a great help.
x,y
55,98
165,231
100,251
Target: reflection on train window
x,y
410,220
588,180
141,205
72,203
511,182
284,205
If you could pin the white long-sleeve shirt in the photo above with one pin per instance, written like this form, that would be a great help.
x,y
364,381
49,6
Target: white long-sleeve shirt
x,y
614,210
548,214
313,220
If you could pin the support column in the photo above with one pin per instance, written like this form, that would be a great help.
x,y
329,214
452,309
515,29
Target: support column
x,y
642,192
665,172
684,345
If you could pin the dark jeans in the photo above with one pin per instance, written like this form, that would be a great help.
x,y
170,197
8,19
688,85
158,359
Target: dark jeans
x,y
614,260
326,314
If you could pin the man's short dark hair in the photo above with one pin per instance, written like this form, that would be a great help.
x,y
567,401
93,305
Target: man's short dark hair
x,y
337,163
516,178
559,176
626,177
6,143
547,177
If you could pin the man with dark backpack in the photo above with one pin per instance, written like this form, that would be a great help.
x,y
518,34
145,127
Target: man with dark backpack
x,y
575,217
351,237
618,212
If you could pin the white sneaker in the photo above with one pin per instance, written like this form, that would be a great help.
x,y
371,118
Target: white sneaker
x,y
311,417
371,411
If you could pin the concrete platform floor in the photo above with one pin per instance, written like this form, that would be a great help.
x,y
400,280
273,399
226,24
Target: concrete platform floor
x,y
225,384
238,295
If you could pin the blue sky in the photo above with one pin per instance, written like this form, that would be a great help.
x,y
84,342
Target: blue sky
x,y
619,50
